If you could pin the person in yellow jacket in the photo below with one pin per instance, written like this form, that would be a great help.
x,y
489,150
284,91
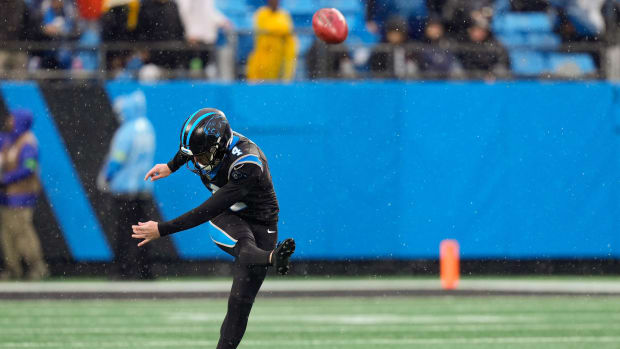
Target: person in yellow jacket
x,y
275,45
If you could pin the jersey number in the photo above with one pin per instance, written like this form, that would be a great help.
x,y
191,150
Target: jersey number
x,y
236,151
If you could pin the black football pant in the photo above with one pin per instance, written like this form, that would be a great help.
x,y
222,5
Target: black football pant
x,y
253,243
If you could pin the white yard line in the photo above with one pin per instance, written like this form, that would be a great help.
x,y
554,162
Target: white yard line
x,y
219,286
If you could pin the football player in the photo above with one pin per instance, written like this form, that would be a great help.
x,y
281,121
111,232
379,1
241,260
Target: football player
x,y
243,209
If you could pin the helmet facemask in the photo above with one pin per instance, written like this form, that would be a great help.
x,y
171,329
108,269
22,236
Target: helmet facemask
x,y
207,161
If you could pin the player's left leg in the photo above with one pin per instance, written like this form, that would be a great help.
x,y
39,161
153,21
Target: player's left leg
x,y
236,236
247,280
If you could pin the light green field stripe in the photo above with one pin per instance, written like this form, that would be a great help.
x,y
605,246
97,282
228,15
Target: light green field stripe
x,y
330,343
262,328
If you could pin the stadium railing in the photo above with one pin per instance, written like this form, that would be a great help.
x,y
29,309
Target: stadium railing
x,y
232,58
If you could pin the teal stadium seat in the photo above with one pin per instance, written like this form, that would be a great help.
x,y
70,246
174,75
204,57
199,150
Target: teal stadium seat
x,y
344,6
522,22
542,40
561,61
510,40
527,62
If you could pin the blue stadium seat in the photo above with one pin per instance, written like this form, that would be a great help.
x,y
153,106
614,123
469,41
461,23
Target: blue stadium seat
x,y
510,40
522,22
301,20
306,7
542,40
362,36
253,4
245,47
229,7
242,21
582,61
527,62
355,22
345,6
304,42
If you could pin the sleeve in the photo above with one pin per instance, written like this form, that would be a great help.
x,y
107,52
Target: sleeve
x,y
177,161
27,165
242,179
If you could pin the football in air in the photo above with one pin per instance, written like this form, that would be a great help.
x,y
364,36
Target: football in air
x,y
330,25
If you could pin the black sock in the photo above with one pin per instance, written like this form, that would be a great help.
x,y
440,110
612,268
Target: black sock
x,y
235,323
249,254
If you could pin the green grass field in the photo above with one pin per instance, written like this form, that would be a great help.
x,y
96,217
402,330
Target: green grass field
x,y
421,322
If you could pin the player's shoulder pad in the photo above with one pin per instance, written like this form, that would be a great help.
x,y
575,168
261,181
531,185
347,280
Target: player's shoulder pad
x,y
244,153
252,159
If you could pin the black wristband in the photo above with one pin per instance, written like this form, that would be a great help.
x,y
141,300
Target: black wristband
x,y
165,229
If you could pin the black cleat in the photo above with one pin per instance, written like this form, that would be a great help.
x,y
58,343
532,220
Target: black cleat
x,y
281,254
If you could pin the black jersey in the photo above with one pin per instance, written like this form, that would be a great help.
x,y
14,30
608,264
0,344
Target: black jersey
x,y
241,185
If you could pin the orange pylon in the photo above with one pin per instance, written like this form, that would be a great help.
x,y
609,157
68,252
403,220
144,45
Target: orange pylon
x,y
449,270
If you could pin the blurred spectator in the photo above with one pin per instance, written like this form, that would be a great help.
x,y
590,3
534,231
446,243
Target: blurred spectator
x,y
485,55
391,58
275,45
202,21
58,18
129,68
435,7
378,12
611,11
579,20
159,20
437,60
18,24
59,24
457,14
20,188
129,159
328,61
87,56
118,24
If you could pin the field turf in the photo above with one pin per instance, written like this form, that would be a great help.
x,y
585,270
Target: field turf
x,y
544,322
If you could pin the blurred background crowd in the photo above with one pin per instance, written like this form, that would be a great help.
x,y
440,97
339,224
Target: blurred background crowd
x,y
273,40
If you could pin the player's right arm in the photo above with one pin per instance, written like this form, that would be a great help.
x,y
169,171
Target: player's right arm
x,y
164,170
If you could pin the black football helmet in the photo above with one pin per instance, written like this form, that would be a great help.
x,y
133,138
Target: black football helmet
x,y
205,137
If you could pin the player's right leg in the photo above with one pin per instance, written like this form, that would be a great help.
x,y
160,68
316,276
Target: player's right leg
x,y
281,254
252,244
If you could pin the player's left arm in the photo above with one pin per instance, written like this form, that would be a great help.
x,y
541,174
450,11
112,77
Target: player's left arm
x,y
242,178
27,165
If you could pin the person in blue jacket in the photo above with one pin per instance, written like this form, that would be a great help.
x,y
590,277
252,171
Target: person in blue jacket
x,y
19,188
130,156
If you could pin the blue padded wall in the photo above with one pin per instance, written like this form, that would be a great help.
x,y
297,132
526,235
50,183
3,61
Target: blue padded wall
x,y
388,170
